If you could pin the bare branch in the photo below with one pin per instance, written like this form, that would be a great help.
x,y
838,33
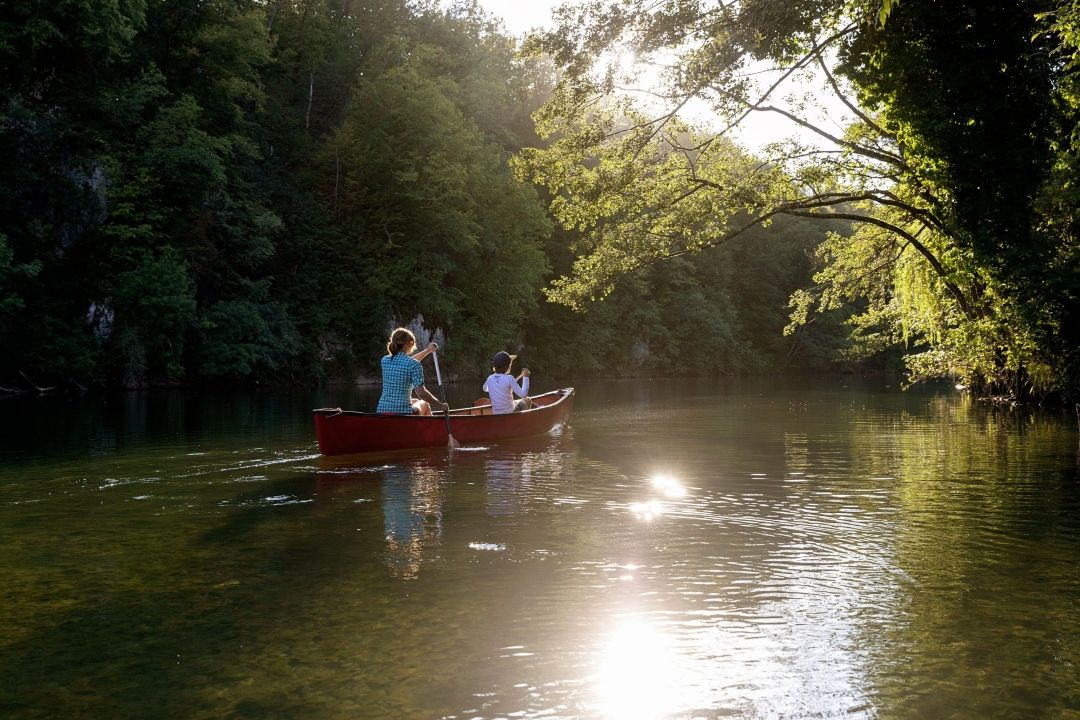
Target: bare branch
x,y
854,147
881,197
814,52
851,106
34,385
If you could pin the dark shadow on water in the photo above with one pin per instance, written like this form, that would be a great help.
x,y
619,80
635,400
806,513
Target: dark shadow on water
x,y
243,593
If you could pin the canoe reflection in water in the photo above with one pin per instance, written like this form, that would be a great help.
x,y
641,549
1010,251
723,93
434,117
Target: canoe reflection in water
x,y
505,480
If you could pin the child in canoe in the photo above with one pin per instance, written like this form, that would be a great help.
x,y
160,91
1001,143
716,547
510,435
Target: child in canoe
x,y
501,386
401,374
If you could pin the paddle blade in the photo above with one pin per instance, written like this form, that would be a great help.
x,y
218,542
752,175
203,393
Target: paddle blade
x,y
452,443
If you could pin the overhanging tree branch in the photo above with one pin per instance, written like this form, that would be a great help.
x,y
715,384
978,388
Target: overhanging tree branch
x,y
932,259
801,63
806,208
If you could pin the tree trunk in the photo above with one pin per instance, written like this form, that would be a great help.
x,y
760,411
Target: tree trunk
x,y
311,96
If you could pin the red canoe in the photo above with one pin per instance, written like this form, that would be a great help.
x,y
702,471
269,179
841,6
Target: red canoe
x,y
344,432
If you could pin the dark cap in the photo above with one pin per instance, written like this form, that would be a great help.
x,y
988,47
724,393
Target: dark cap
x,y
502,358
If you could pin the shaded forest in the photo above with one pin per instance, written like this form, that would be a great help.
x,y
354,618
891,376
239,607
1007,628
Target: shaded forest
x,y
219,192
210,191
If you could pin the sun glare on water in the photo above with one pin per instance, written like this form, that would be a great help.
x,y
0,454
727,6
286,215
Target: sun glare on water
x,y
669,486
638,676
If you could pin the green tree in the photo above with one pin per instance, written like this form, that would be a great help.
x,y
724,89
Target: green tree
x,y
941,169
720,311
11,302
435,212
155,298
61,74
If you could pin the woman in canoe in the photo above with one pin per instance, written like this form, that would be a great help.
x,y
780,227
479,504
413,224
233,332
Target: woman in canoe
x,y
401,374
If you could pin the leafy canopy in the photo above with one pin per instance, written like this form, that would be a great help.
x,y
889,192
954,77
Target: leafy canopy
x,y
956,113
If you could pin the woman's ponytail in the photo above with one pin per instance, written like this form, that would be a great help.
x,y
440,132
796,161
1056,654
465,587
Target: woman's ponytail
x,y
399,340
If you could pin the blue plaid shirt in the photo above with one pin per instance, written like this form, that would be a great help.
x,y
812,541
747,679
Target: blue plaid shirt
x,y
400,374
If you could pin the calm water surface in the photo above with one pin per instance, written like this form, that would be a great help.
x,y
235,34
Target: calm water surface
x,y
819,548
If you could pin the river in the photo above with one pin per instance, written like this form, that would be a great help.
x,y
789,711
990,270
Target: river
x,y
743,548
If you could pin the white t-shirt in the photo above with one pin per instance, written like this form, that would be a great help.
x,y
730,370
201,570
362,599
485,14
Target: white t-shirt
x,y
502,388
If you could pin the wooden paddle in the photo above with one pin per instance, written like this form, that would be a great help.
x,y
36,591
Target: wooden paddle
x,y
450,441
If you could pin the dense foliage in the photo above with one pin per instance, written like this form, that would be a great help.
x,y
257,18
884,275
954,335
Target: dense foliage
x,y
721,311
220,191
957,167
